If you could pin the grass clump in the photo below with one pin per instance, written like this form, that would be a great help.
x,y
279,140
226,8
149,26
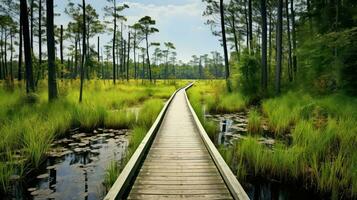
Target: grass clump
x,y
119,119
88,116
111,174
230,102
149,112
254,122
211,128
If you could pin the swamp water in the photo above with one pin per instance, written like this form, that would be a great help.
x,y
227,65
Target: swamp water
x,y
75,166
233,127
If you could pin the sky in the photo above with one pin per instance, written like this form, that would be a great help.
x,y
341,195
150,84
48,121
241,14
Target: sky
x,y
179,21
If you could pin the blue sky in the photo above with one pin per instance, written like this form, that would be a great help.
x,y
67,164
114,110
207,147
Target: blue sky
x,y
179,21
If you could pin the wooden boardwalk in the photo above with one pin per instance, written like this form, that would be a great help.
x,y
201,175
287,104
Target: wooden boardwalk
x,y
179,163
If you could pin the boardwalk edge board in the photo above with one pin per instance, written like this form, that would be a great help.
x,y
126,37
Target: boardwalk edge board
x,y
119,188
229,178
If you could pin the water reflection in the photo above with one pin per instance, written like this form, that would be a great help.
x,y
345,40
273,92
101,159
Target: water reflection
x,y
261,189
75,168
225,134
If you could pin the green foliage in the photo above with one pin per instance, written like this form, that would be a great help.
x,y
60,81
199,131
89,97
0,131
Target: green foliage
x,y
249,79
330,62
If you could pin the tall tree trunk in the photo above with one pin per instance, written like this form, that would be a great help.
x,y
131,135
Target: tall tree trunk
x,y
147,56
270,44
134,50
290,70
143,72
61,52
264,46
1,64
52,85
2,76
40,37
224,39
128,55
235,35
84,49
309,14
124,58
19,68
31,10
5,54
98,50
30,85
88,68
279,40
292,11
246,24
121,50
76,57
167,65
250,21
11,55
114,40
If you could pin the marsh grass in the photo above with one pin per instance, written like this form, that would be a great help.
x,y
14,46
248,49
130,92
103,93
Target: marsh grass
x,y
120,119
229,103
148,114
254,122
111,174
211,128
29,124
323,149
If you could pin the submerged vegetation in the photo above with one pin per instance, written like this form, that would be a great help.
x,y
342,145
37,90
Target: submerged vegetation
x,y
28,127
322,142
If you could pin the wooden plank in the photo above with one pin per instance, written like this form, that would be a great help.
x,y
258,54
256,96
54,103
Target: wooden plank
x,y
180,187
178,170
181,182
187,197
175,191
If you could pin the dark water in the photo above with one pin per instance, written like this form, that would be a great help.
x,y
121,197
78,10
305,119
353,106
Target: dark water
x,y
260,189
75,168
234,127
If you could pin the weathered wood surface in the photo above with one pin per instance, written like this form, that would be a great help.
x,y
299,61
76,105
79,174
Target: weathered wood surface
x,y
178,165
181,161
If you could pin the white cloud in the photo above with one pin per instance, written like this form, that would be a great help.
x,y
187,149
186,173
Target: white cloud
x,y
163,12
